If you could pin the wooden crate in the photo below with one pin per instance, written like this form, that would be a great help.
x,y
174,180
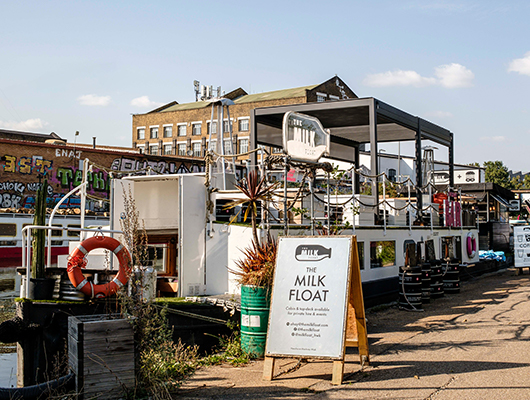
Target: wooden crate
x,y
101,354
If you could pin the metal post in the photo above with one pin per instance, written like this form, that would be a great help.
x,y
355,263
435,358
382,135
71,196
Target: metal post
x,y
285,172
83,197
329,206
312,202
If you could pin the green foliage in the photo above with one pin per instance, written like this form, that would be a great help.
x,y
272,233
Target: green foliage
x,y
39,235
229,351
515,183
497,172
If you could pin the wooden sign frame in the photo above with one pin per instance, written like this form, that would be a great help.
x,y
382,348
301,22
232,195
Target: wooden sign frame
x,y
355,334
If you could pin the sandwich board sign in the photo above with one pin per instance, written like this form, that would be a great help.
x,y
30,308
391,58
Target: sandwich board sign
x,y
317,308
521,244
304,137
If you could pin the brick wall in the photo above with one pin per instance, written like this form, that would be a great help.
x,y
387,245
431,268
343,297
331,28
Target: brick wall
x,y
23,162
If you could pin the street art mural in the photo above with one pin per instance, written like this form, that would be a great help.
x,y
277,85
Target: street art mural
x,y
21,174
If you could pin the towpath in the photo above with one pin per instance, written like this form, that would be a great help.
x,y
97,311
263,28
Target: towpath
x,y
472,345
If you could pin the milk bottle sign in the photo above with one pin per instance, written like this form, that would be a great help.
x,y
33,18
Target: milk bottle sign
x,y
521,244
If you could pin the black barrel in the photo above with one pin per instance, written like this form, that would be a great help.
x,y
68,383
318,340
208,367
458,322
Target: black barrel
x,y
426,282
451,277
410,285
437,286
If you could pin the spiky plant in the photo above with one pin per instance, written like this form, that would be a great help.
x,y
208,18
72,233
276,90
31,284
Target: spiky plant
x,y
255,191
257,266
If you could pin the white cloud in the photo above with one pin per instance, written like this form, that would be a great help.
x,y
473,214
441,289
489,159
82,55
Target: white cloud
x,y
28,125
398,78
94,100
521,65
144,102
454,76
439,114
496,139
449,76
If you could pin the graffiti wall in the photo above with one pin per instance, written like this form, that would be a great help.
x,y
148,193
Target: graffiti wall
x,y
24,165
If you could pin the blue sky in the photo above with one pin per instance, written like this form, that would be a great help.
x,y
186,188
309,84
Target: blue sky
x,y
89,65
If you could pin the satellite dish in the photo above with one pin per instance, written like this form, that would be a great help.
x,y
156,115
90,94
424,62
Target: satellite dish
x,y
190,152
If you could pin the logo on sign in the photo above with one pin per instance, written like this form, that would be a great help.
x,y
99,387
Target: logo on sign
x,y
312,252
304,137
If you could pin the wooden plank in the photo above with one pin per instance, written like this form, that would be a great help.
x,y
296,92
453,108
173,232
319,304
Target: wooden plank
x,y
268,368
338,372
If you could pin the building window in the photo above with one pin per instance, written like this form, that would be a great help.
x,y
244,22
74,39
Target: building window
x,y
321,97
226,127
168,131
196,129
277,150
140,133
141,149
227,144
153,149
243,145
154,133
168,148
211,126
212,145
382,254
392,174
243,125
181,130
182,149
333,98
196,147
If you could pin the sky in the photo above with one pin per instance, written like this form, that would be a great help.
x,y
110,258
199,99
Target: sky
x,y
87,66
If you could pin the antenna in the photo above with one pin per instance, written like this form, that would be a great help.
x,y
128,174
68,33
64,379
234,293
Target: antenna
x,y
203,92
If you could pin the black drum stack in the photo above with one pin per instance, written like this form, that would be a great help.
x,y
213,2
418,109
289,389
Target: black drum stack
x,y
451,276
437,284
426,282
410,287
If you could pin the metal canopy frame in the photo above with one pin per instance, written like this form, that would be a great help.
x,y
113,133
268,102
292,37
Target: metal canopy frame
x,y
354,122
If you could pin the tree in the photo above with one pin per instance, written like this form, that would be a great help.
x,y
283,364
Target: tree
x,y
515,183
497,172
526,182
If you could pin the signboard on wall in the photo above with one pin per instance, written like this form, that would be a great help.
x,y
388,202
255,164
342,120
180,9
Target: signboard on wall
x,y
521,244
304,137
310,297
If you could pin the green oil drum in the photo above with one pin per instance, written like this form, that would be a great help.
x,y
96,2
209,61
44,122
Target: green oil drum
x,y
255,304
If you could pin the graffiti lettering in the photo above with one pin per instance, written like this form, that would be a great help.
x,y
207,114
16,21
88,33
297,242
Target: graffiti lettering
x,y
68,153
8,200
70,178
27,165
161,167
13,187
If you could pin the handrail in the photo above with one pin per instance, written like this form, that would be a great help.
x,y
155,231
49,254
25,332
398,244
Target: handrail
x,y
26,244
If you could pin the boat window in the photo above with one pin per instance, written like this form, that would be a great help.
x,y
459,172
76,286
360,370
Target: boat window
x,y
382,253
157,256
57,232
73,233
8,229
360,251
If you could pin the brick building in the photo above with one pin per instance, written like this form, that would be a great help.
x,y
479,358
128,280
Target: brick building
x,y
183,129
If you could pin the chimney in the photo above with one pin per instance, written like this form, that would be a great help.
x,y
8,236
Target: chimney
x,y
93,142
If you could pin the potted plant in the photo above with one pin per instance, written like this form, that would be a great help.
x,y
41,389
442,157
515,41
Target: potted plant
x,y
40,287
256,269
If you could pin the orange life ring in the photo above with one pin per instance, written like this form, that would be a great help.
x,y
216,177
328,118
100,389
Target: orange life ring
x,y
77,260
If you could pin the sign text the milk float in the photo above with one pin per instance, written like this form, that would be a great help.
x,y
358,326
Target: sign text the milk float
x,y
304,137
309,299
